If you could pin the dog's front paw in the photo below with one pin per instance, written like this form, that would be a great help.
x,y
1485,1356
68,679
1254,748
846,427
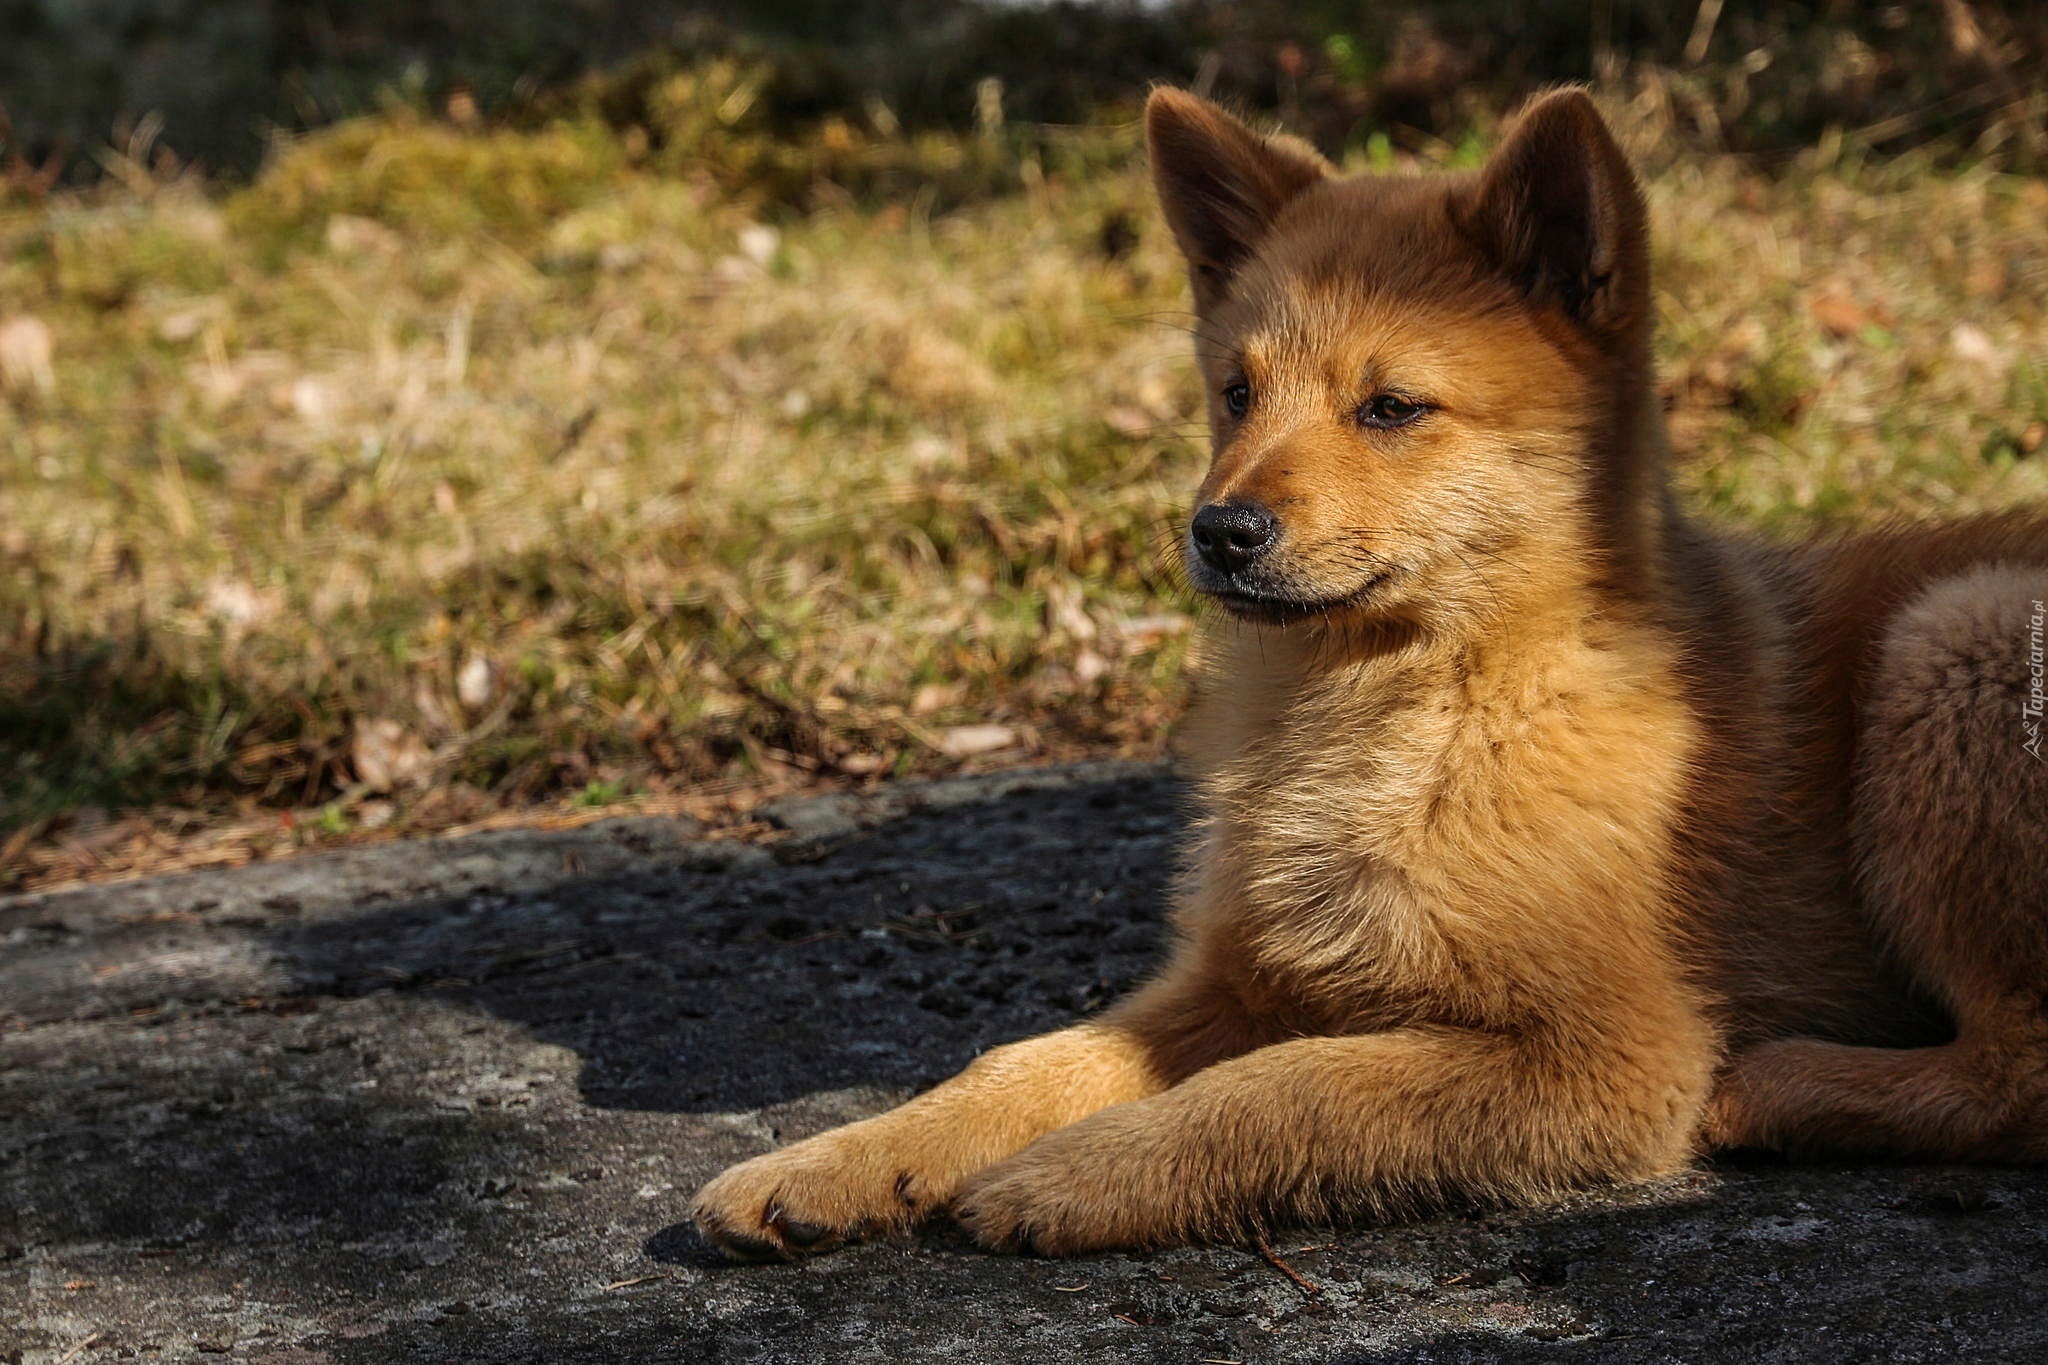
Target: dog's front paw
x,y
1081,1189
846,1185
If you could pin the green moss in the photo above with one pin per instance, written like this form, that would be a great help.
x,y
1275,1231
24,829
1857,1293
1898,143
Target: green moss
x,y
429,179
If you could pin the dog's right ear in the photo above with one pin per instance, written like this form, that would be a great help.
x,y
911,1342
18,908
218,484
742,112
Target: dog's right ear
x,y
1559,209
1220,184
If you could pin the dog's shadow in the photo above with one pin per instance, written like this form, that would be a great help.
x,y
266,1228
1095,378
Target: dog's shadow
x,y
821,981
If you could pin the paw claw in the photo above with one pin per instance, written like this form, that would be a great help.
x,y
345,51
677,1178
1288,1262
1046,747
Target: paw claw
x,y
803,1235
744,1247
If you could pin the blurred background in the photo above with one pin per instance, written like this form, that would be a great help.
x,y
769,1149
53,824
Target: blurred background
x,y
419,416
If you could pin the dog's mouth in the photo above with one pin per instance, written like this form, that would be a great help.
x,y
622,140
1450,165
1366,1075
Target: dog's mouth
x,y
1279,609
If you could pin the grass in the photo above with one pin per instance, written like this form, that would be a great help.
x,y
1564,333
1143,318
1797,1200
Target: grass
x,y
449,473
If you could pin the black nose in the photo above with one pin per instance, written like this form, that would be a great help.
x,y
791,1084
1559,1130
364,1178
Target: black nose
x,y
1230,535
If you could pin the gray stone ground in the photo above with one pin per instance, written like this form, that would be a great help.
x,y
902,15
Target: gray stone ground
x,y
446,1101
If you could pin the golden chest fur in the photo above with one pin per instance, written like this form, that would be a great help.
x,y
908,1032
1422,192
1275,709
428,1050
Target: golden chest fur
x,y
1412,819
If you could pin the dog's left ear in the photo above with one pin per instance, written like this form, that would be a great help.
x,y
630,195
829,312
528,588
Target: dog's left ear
x,y
1558,208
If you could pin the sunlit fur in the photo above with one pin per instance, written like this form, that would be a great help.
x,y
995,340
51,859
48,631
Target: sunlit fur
x,y
1549,837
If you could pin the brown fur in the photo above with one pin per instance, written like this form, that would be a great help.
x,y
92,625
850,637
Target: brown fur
x,y
1549,837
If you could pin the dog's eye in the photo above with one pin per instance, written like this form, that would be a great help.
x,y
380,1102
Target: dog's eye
x,y
1237,398
1386,410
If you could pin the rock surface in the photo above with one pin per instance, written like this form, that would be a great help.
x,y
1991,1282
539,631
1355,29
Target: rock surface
x,y
447,1102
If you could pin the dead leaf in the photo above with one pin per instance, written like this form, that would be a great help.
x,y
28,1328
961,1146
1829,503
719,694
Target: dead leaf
x,y
1129,421
1972,344
27,355
386,755
965,741
88,840
759,243
1145,632
476,686
1986,278
350,235
238,604
1841,314
1064,612
186,323
313,399
933,697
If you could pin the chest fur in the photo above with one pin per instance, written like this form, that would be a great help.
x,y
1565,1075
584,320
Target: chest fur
x,y
1442,836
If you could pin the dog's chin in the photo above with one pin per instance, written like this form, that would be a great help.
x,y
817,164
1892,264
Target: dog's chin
x,y
1270,608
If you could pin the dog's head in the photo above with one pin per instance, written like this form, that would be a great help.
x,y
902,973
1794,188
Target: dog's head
x,y
1414,382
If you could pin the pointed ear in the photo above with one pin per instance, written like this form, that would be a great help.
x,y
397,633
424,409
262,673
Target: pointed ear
x,y
1558,208
1220,184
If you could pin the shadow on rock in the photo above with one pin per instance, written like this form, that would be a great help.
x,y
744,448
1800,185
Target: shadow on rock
x,y
882,959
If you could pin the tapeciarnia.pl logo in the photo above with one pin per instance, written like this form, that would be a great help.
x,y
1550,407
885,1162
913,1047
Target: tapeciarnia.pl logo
x,y
2037,682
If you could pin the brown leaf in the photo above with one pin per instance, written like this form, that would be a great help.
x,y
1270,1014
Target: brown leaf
x,y
1987,278
1841,314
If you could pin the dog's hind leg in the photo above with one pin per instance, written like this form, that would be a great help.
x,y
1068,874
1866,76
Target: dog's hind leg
x,y
1951,837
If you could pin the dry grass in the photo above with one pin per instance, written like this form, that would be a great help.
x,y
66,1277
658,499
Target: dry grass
x,y
441,474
